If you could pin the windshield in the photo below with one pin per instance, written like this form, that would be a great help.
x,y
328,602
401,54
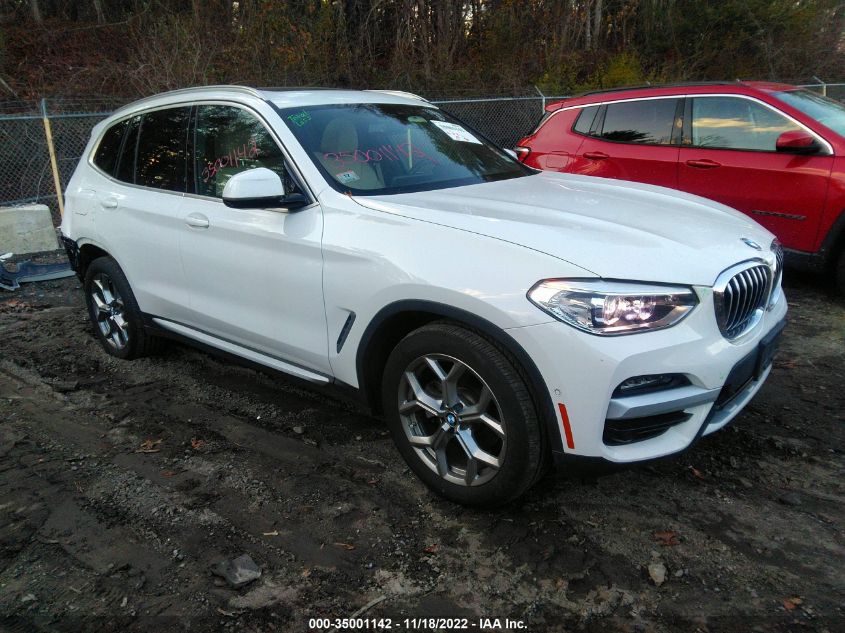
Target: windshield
x,y
826,111
374,148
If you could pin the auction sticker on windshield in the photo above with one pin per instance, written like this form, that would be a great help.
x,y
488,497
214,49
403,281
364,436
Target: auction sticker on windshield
x,y
456,132
347,176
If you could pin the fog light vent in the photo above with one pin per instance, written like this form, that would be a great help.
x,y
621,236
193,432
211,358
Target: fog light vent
x,y
648,383
621,432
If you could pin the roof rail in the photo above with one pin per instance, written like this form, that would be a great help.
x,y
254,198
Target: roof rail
x,y
619,89
255,92
400,93
677,84
295,88
397,93
719,82
245,89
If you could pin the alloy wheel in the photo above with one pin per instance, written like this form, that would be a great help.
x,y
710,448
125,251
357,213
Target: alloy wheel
x,y
452,419
109,311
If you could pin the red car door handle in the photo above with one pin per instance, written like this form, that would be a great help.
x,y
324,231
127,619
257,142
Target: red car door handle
x,y
704,163
595,155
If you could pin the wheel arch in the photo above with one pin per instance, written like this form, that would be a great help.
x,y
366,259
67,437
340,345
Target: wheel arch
x,y
396,320
833,253
87,253
834,242
826,258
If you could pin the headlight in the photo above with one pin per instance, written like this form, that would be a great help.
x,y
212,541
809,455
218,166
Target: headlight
x,y
612,307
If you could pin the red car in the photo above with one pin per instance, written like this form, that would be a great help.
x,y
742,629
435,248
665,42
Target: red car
x,y
773,151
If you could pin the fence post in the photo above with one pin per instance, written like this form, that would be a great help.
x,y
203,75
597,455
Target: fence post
x,y
543,97
823,84
57,181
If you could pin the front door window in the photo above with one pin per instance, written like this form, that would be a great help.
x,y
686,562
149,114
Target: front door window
x,y
732,123
229,140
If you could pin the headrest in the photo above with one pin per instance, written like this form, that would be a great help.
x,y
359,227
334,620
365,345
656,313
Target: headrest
x,y
339,136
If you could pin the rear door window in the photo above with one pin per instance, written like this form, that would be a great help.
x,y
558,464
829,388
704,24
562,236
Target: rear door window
x,y
162,149
733,123
229,140
126,163
648,121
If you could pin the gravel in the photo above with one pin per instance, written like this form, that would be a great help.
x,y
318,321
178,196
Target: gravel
x,y
124,483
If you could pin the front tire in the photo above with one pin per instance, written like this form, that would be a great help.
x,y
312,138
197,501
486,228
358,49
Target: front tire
x,y
462,416
117,320
839,273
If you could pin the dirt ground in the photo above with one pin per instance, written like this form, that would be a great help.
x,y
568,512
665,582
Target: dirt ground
x,y
121,484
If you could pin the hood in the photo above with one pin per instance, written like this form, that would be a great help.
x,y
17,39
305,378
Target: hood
x,y
612,228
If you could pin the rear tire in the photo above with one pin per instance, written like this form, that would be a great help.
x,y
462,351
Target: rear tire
x,y
114,312
461,415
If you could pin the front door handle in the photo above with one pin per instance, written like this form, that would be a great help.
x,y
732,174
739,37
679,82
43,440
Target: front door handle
x,y
108,203
197,220
704,163
596,155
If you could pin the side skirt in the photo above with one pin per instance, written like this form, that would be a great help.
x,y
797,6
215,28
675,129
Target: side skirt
x,y
245,352
245,357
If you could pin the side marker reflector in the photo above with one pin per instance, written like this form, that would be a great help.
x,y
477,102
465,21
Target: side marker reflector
x,y
564,421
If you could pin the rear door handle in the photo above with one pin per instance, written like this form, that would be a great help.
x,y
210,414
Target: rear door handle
x,y
596,155
704,163
109,202
197,220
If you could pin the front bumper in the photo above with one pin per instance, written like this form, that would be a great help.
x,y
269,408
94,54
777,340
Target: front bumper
x,y
581,372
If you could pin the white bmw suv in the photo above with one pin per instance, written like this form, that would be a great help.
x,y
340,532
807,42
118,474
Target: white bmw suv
x,y
498,318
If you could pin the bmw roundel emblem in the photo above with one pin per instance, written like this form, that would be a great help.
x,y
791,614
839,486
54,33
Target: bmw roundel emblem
x,y
752,244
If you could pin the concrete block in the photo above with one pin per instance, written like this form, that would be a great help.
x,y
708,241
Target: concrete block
x,y
27,229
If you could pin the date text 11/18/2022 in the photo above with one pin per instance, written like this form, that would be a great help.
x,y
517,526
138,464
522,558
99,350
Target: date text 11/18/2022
x,y
418,624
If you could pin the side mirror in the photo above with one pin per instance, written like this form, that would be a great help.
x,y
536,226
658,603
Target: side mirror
x,y
259,188
797,142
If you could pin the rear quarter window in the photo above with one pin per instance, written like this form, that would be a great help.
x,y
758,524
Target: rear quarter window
x,y
108,150
585,120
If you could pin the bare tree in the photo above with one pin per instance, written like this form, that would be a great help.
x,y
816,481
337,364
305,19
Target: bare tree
x,y
98,9
36,11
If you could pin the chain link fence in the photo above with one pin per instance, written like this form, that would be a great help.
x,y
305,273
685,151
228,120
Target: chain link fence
x,y
25,168
24,160
834,91
26,174
504,120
